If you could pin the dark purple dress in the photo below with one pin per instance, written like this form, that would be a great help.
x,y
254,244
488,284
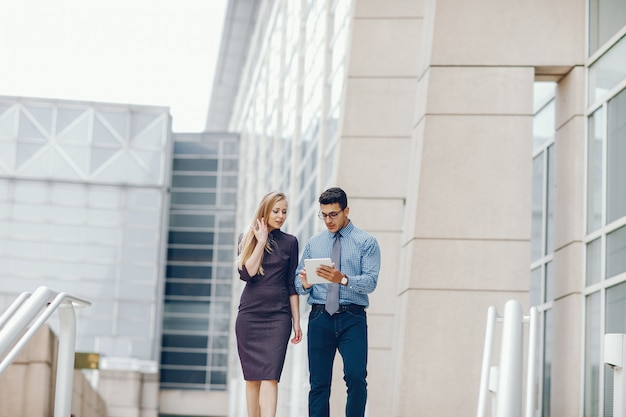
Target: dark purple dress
x,y
264,323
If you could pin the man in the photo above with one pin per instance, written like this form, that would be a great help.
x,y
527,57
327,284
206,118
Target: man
x,y
353,276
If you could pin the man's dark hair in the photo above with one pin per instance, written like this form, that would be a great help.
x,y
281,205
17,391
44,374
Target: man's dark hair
x,y
334,195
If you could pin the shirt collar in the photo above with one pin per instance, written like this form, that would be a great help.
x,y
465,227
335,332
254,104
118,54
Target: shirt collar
x,y
344,231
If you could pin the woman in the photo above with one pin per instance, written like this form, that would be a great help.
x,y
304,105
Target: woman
x,y
269,306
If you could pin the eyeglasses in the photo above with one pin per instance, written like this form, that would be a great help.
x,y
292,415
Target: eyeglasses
x,y
333,214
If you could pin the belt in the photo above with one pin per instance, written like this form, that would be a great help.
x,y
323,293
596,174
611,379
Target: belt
x,y
342,308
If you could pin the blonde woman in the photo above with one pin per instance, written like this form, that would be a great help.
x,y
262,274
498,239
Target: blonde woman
x,y
269,305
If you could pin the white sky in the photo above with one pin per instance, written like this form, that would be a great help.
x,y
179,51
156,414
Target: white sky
x,y
149,52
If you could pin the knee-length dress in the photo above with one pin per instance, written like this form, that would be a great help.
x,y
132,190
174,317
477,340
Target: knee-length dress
x,y
264,323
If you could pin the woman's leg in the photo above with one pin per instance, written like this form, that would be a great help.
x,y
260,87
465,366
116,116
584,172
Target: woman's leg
x,y
252,398
268,398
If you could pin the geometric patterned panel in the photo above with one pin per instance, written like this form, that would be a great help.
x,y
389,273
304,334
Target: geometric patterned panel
x,y
101,143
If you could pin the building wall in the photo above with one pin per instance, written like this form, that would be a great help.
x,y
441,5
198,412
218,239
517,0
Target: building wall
x,y
83,196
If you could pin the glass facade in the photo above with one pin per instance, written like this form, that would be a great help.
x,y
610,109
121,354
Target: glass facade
x,y
291,115
542,233
200,262
82,202
605,238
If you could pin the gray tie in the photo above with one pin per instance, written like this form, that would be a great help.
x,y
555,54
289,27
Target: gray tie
x,y
332,296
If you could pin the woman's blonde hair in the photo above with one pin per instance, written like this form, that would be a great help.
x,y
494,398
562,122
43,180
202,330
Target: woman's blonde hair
x,y
249,240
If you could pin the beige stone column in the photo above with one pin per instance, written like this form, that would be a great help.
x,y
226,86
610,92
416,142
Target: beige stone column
x,y
569,248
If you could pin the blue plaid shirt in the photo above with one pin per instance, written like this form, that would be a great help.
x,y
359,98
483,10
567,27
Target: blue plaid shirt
x,y
360,261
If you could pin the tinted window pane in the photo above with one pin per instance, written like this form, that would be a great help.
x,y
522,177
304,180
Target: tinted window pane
x,y
188,181
199,255
616,157
185,341
183,358
193,198
197,290
218,377
195,238
616,252
184,271
187,307
185,324
196,148
195,164
537,208
594,171
191,220
183,377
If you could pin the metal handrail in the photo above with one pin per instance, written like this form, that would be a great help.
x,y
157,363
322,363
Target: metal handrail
x,y
25,317
508,392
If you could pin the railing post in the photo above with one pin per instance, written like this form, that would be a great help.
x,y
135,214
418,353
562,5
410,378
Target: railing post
x,y
65,361
19,324
510,380
615,357
485,372
533,328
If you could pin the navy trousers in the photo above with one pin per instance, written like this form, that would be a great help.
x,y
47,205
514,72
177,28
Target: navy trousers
x,y
347,332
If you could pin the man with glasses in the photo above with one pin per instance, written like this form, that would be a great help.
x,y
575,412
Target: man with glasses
x,y
337,320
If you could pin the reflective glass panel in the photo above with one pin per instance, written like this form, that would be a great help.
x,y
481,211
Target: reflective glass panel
x,y
615,323
592,355
195,181
594,170
616,157
547,363
616,252
184,341
550,202
594,258
536,238
535,287
606,18
607,72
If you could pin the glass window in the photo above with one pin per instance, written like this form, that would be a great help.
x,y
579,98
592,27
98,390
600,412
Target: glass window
x,y
188,289
201,199
184,341
615,323
197,238
193,148
547,363
188,271
607,72
594,170
192,220
592,355
183,358
548,296
195,181
593,258
549,232
195,164
536,240
190,255
185,323
535,287
606,18
182,376
616,252
616,157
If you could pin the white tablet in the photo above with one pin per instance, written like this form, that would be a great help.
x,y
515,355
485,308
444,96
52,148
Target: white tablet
x,y
311,266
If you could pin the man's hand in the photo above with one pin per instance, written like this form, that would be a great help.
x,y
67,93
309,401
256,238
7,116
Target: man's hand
x,y
330,273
